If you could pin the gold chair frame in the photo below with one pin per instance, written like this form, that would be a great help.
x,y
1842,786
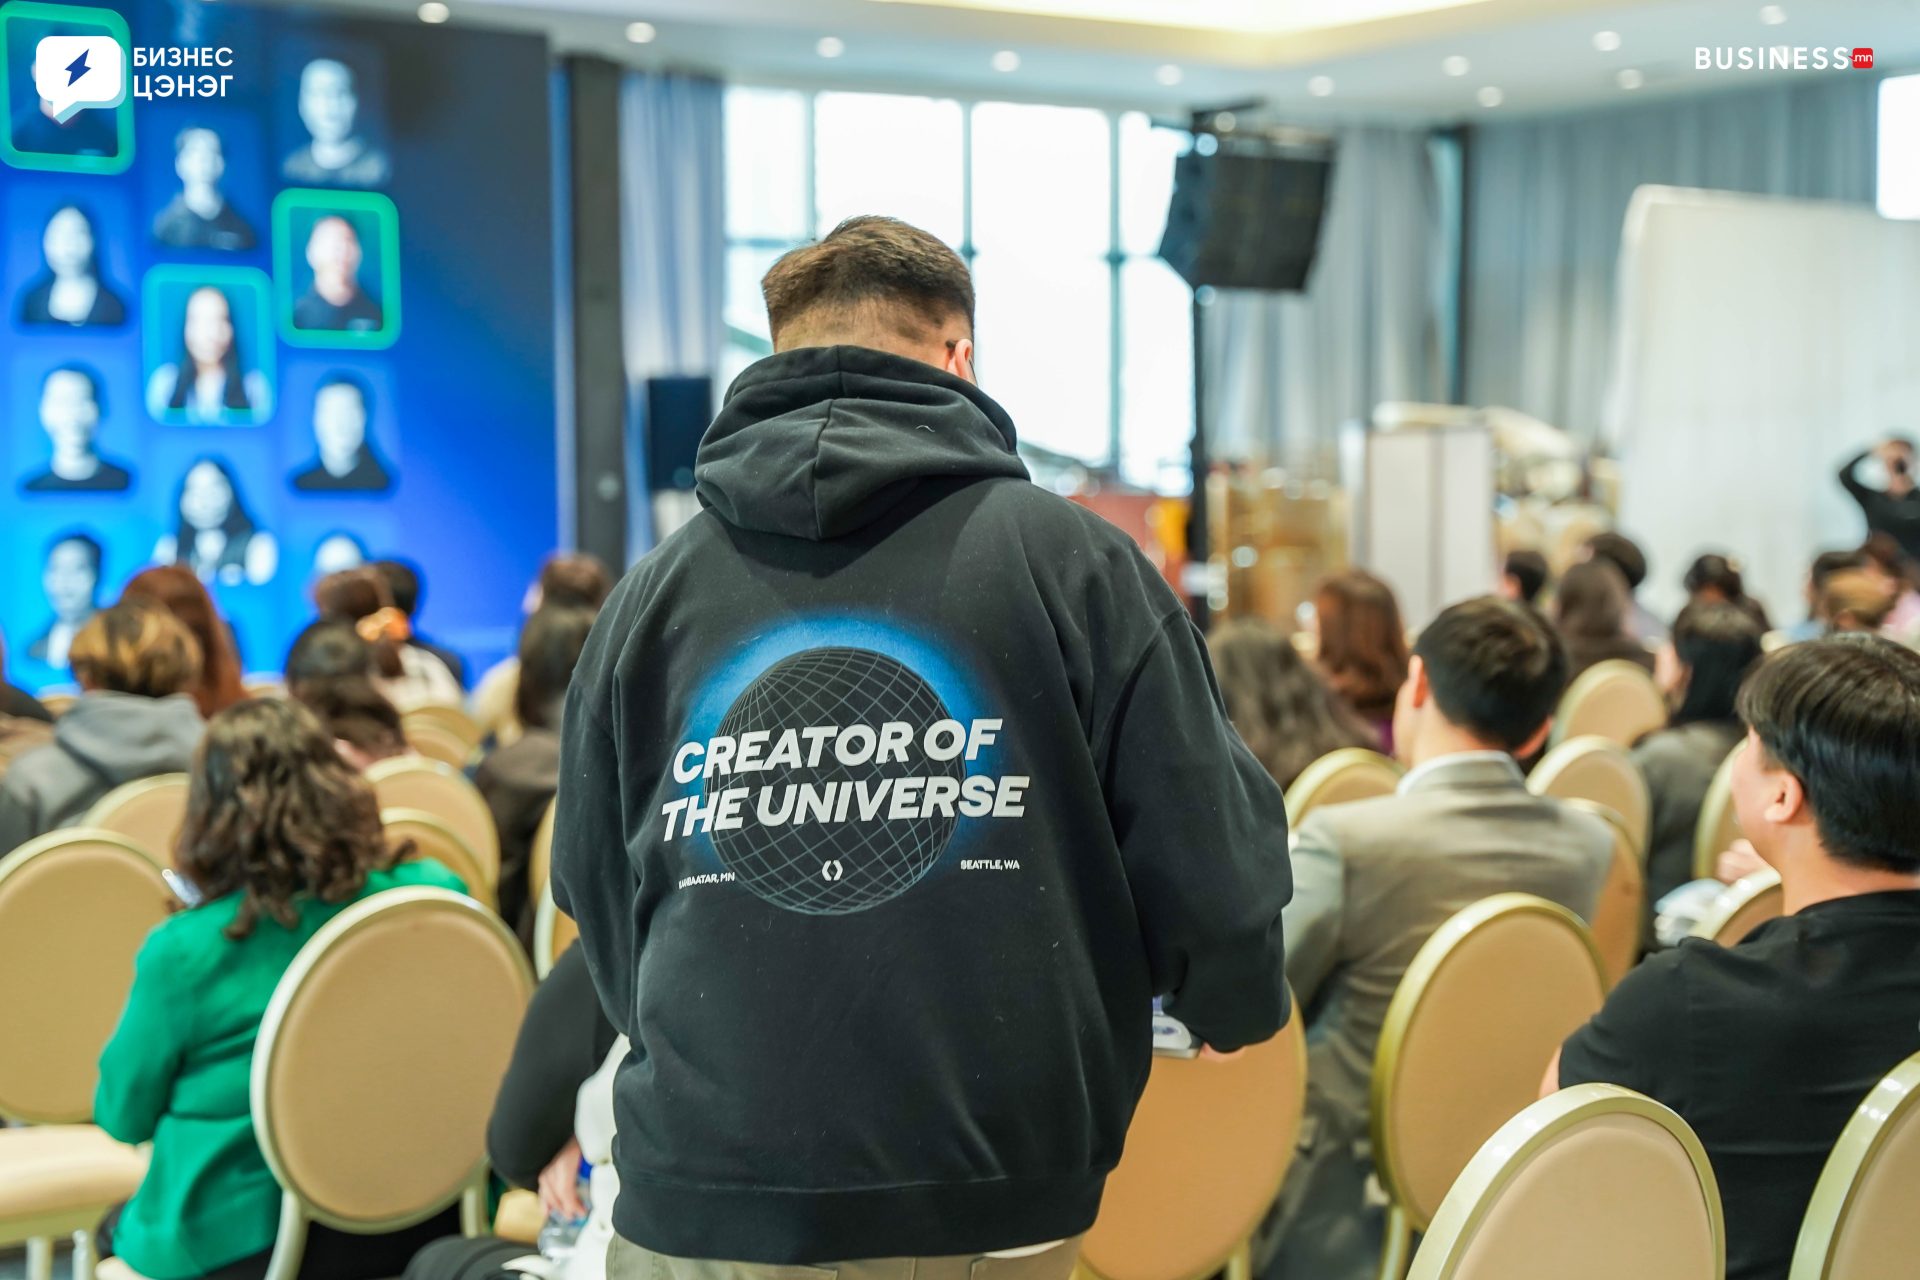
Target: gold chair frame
x,y
1717,819
103,815
1303,796
1829,1210
1733,900
1601,673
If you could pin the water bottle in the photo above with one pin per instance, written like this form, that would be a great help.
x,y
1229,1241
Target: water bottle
x,y
558,1235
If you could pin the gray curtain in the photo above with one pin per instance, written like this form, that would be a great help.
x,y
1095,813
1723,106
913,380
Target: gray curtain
x,y
1284,371
672,249
1545,202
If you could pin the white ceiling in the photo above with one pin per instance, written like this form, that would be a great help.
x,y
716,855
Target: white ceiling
x,y
1384,57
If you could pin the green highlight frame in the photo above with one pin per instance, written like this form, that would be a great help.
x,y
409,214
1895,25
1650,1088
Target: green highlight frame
x,y
78,16
295,199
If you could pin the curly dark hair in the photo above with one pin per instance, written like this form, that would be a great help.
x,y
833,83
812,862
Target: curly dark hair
x,y
275,814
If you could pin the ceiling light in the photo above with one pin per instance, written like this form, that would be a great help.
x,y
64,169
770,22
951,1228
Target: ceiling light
x,y
1168,75
641,32
1006,60
1225,121
1490,97
1772,14
1320,86
1630,78
1606,41
830,47
434,11
1455,65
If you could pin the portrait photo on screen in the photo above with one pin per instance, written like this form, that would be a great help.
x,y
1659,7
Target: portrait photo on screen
x,y
213,532
93,139
71,409
70,582
339,105
209,346
345,458
71,289
337,551
337,268
199,216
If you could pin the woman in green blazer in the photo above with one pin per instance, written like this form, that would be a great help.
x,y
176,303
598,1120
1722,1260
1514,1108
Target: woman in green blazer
x,y
281,835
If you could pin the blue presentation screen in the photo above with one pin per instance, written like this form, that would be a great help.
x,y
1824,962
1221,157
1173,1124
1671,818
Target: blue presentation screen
x,y
271,332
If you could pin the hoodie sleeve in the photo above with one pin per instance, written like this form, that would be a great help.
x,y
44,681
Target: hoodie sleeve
x,y
1202,831
592,879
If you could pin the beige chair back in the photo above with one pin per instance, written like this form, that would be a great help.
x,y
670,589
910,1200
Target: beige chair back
x,y
1718,826
1209,1145
75,906
147,811
1742,907
1621,912
436,742
1351,773
540,857
452,720
377,1064
434,839
1482,1009
1595,1182
410,782
1598,769
1860,1223
1615,699
553,932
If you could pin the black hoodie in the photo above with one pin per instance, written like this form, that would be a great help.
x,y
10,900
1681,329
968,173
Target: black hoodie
x,y
893,789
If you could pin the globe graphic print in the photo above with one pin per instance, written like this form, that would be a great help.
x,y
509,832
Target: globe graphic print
x,y
835,868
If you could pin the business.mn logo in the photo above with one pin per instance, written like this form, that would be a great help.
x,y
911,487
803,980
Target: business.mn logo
x,y
1863,59
1781,57
73,73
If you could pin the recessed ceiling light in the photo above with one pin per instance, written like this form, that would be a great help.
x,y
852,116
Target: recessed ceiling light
x,y
1168,75
1772,14
1320,86
641,32
1006,60
830,47
1490,96
1455,65
434,11
1225,121
1606,41
1630,78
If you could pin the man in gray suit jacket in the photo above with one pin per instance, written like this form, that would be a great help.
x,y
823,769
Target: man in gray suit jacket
x,y
1373,880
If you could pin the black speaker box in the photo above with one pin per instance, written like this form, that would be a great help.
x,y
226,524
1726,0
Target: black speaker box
x,y
1244,219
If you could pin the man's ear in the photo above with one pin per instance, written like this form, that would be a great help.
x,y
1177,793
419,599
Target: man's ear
x,y
1418,690
1786,797
959,360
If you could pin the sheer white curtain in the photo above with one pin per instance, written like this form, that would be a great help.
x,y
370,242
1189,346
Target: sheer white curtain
x,y
1546,198
672,247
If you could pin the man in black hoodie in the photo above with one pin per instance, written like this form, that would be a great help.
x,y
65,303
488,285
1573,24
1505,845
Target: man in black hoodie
x,y
892,791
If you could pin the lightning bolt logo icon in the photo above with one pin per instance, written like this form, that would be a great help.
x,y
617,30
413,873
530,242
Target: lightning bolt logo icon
x,y
77,68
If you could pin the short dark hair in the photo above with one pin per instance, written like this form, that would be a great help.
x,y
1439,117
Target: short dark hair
x,y
136,647
1718,644
1495,667
403,583
574,578
550,646
1528,569
871,262
87,543
1828,563
1623,553
1843,716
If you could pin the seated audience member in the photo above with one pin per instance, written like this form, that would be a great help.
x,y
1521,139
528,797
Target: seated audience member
x,y
519,779
533,1138
1855,600
1374,879
409,677
1624,554
280,836
134,719
1711,649
1362,648
1884,553
330,671
1284,711
1590,613
1714,579
1824,566
1766,1048
404,584
176,589
15,701
24,723
1524,576
567,578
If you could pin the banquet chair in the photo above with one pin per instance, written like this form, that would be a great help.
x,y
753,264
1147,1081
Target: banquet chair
x,y
1615,699
147,811
1860,1223
1620,915
434,839
553,932
1597,769
1742,907
411,782
540,856
1718,825
436,742
1351,773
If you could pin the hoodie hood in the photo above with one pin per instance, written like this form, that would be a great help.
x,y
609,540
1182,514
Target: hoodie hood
x,y
123,737
818,442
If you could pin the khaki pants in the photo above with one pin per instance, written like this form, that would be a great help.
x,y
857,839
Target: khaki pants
x,y
629,1261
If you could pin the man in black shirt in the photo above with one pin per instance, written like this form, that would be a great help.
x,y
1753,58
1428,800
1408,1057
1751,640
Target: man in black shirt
x,y
1766,1048
1894,510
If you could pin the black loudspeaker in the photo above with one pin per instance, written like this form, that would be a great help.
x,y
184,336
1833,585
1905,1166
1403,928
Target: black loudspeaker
x,y
1245,219
678,411
599,356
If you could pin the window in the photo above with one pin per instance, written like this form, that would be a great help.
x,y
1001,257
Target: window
x,y
1900,147
1084,335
